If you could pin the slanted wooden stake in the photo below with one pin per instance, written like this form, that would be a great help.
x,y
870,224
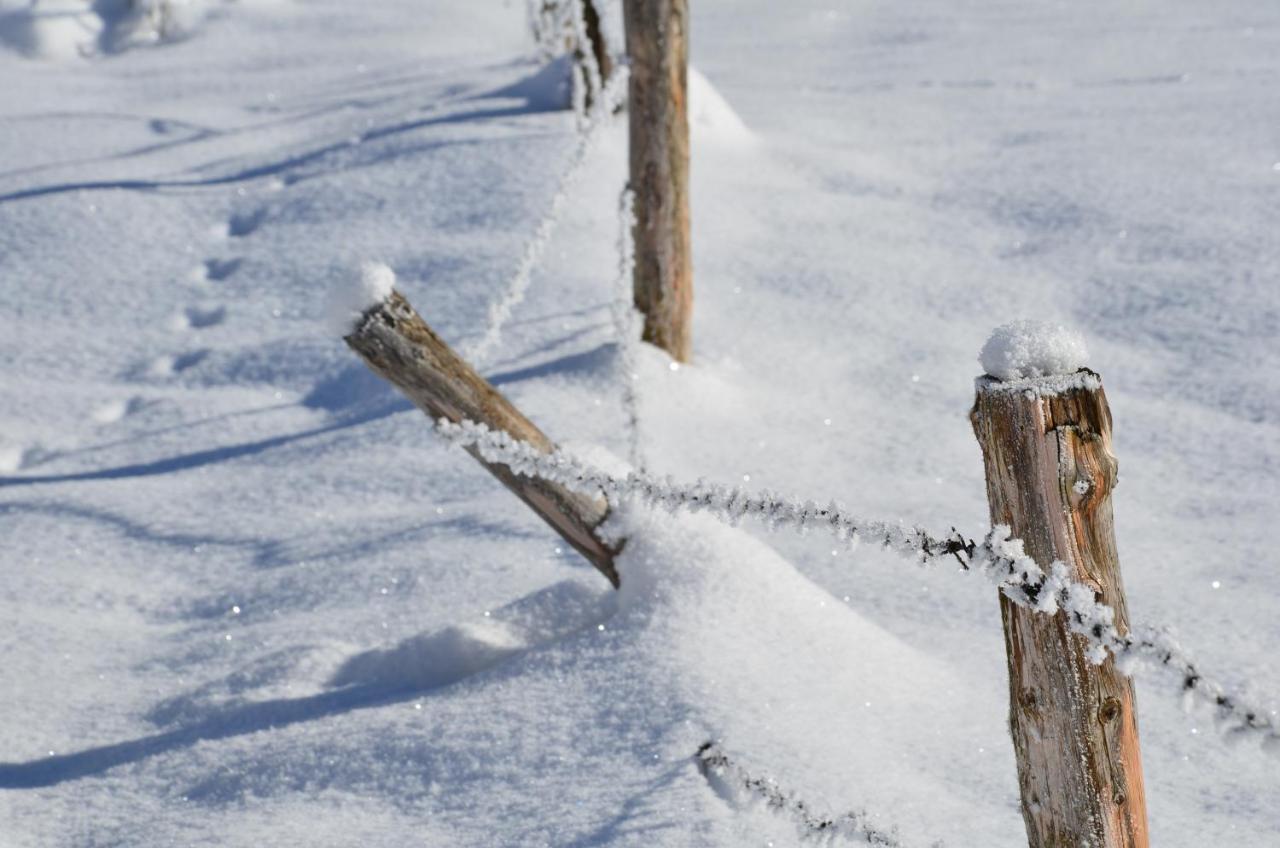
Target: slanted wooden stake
x,y
1050,473
658,45
397,344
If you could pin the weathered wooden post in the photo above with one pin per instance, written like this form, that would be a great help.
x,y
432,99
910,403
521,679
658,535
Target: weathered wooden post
x,y
397,345
658,47
1046,444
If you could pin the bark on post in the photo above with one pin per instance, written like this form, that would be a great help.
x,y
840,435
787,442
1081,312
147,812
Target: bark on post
x,y
658,47
397,345
1050,472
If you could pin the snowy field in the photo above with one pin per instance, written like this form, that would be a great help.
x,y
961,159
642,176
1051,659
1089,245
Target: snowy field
x,y
248,598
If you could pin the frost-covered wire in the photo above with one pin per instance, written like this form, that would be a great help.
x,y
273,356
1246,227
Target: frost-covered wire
x,y
1003,560
857,825
627,327
584,54
517,286
999,557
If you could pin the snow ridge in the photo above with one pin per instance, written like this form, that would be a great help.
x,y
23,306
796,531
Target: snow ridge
x,y
1001,558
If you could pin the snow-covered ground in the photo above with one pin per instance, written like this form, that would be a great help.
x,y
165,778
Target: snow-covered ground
x,y
248,597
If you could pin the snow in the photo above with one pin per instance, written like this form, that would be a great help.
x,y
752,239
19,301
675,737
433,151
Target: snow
x,y
1026,349
188,454
712,120
349,301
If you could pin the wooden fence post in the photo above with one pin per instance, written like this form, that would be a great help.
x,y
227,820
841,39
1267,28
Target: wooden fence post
x,y
1050,472
397,345
658,47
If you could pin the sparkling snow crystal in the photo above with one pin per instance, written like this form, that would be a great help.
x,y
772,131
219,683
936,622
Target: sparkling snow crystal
x,y
349,300
1025,349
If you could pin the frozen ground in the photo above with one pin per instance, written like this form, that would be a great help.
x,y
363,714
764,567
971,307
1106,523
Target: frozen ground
x,y
248,598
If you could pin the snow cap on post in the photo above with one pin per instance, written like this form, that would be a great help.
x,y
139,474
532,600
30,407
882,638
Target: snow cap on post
x,y
1025,350
351,299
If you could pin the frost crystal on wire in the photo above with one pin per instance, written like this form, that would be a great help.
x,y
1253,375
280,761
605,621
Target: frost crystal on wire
x,y
999,557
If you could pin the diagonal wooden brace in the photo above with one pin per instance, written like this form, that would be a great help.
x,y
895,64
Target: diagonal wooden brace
x,y
398,346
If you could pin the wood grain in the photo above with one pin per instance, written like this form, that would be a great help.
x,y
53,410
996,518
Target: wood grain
x,y
397,344
1050,474
658,47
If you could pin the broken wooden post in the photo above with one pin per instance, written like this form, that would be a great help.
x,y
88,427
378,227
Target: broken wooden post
x,y
1046,444
658,47
397,345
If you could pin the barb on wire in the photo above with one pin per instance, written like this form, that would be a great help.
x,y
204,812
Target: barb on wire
x,y
717,766
517,286
998,557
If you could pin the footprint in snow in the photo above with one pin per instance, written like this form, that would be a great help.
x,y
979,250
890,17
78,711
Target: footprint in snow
x,y
199,317
217,270
245,223
168,365
113,410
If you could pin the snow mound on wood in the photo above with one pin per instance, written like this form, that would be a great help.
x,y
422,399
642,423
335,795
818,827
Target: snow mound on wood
x,y
1026,349
350,300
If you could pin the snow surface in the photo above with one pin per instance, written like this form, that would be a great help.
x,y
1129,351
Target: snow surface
x,y
712,121
1026,349
243,584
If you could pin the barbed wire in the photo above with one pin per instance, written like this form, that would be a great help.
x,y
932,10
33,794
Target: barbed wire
x,y
999,557
611,98
857,825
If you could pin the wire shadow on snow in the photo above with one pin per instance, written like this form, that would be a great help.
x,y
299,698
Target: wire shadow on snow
x,y
196,459
595,361
415,668
280,166
373,90
628,819
548,89
445,656
353,387
237,721
262,549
